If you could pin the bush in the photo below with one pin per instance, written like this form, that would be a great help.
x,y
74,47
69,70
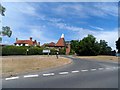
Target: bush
x,y
13,50
62,51
53,51
21,50
35,51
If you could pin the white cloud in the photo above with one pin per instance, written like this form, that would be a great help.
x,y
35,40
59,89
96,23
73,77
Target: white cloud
x,y
85,10
40,34
97,28
109,36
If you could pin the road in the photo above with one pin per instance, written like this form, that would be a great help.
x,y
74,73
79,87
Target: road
x,y
80,74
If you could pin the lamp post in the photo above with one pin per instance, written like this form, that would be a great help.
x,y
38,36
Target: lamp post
x,y
27,52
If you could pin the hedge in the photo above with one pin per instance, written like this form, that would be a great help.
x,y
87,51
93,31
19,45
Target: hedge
x,y
22,50
13,50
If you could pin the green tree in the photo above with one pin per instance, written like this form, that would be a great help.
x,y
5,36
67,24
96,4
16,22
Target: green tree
x,y
2,10
74,46
118,45
104,48
6,31
88,46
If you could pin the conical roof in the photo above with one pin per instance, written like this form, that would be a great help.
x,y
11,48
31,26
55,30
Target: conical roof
x,y
61,41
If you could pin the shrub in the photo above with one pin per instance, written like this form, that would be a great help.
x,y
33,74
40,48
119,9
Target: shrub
x,y
13,50
62,51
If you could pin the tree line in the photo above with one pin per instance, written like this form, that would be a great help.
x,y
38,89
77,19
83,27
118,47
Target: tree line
x,y
89,46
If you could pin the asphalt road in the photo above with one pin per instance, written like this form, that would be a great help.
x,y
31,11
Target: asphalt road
x,y
80,74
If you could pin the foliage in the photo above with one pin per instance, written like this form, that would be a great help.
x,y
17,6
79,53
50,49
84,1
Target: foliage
x,y
2,10
5,30
89,46
53,51
62,51
13,50
74,46
22,50
118,45
104,48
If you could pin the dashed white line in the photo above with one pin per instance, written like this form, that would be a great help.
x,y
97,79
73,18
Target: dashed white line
x,y
93,69
100,68
107,68
63,72
84,70
75,71
114,67
26,76
49,74
11,78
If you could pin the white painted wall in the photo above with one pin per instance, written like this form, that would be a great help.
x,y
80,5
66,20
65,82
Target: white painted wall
x,y
26,45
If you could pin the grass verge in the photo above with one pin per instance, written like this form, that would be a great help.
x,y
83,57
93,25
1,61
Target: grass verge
x,y
13,65
103,58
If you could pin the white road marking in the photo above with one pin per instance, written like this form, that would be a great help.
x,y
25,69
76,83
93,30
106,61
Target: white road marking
x,y
84,70
93,69
107,68
75,71
26,76
63,72
100,68
114,67
11,78
49,74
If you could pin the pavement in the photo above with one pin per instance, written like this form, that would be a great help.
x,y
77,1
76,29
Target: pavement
x,y
80,74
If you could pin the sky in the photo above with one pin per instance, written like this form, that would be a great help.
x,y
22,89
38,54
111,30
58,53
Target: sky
x,y
46,21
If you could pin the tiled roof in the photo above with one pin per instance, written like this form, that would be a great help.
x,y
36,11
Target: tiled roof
x,y
24,42
52,44
60,43
29,42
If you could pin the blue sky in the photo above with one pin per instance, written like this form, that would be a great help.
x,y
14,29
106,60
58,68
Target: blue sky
x,y
45,22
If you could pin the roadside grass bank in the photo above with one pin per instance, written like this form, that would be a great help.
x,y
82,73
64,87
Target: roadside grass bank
x,y
14,65
100,57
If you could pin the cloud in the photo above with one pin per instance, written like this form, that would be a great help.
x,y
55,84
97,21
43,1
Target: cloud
x,y
109,36
97,28
86,10
39,33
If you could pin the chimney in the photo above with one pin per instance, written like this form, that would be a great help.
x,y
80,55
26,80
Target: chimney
x,y
39,43
35,41
16,39
31,38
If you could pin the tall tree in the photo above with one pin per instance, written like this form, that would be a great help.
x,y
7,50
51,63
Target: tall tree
x,y
104,48
6,31
118,45
88,46
74,46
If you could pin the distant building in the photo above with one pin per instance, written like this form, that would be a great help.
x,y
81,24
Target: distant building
x,y
68,47
61,44
29,42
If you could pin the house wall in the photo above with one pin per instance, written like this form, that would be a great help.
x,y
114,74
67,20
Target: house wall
x,y
68,49
26,44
